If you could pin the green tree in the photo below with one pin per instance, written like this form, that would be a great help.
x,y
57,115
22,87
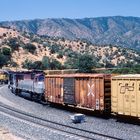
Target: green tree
x,y
54,64
51,63
37,65
70,63
3,60
27,64
85,63
46,62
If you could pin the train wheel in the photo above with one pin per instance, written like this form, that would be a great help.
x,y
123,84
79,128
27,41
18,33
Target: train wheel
x,y
11,89
32,96
66,105
43,100
18,91
14,90
37,97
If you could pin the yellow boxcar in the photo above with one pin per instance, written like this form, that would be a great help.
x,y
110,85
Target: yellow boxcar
x,y
125,95
3,78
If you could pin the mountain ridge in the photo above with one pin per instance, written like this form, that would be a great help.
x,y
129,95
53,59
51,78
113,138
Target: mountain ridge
x,y
116,30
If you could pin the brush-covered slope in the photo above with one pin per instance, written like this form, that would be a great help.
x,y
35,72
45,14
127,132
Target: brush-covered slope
x,y
17,47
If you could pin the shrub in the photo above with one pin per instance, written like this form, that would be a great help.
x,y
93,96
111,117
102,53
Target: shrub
x,y
60,55
4,34
32,65
6,51
13,64
53,49
30,47
14,43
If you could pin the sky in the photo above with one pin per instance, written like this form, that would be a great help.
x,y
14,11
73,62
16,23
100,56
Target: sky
x,y
11,10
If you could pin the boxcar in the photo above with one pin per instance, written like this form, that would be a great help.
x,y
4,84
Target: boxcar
x,y
88,91
3,78
125,95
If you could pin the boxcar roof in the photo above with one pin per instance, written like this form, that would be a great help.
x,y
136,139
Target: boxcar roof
x,y
127,76
79,75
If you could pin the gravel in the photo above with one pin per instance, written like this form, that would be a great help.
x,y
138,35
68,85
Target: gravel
x,y
30,131
106,126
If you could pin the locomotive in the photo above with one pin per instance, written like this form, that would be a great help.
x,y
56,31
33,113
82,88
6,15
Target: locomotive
x,y
29,82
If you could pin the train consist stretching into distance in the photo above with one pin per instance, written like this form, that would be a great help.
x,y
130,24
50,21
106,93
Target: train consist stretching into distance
x,y
3,77
98,92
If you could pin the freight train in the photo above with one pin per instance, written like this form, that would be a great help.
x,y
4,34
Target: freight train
x,y
3,77
97,92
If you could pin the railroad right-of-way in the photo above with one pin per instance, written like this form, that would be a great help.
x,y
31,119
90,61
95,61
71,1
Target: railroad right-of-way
x,y
29,130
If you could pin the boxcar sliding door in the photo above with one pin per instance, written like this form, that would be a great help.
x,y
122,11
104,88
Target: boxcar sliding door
x,y
69,90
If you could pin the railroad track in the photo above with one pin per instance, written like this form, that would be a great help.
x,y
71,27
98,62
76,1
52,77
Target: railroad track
x,y
70,130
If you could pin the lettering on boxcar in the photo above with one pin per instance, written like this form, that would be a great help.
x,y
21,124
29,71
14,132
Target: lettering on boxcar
x,y
90,89
126,87
127,98
97,104
133,98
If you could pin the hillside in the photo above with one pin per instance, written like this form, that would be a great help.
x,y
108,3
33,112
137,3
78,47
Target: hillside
x,y
22,49
119,31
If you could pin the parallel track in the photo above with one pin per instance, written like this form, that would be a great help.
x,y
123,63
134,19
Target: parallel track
x,y
70,130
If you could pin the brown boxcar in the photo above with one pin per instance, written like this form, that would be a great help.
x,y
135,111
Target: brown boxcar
x,y
90,91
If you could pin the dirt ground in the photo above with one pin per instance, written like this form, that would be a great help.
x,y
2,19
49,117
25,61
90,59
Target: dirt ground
x,y
6,135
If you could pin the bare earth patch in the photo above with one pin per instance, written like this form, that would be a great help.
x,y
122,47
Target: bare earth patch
x,y
6,135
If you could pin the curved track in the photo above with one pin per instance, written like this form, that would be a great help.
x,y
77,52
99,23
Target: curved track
x,y
73,131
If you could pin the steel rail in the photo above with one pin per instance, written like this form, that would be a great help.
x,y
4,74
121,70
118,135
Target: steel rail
x,y
52,124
